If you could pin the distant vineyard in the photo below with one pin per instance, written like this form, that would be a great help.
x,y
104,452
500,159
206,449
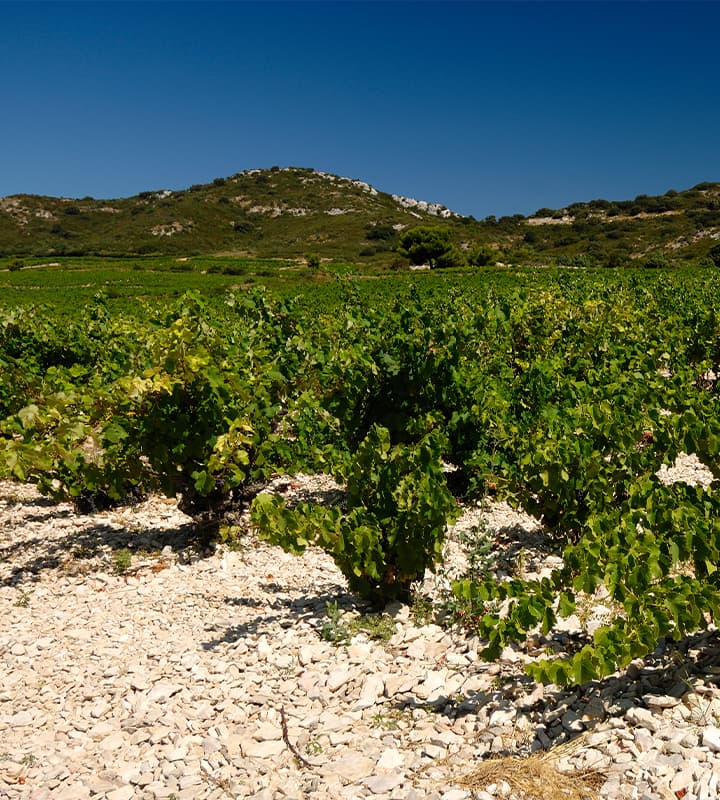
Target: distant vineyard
x,y
563,393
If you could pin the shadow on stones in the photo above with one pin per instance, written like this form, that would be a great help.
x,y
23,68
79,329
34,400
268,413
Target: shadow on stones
x,y
90,549
455,707
317,496
52,513
308,609
558,716
272,586
36,500
516,543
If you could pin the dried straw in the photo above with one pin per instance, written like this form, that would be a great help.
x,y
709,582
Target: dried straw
x,y
538,776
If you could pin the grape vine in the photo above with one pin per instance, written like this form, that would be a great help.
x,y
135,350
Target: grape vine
x,y
564,397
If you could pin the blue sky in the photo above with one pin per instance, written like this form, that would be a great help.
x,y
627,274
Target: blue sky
x,y
489,108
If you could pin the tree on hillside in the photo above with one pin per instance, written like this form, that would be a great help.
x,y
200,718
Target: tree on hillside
x,y
429,245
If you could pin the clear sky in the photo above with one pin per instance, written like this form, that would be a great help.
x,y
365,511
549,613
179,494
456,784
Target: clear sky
x,y
488,108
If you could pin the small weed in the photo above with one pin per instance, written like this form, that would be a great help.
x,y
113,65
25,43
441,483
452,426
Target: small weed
x,y
422,610
24,600
333,630
379,627
521,564
29,760
701,711
388,720
479,550
313,747
231,537
122,561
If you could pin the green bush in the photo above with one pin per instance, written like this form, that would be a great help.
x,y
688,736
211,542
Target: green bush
x,y
243,227
452,257
380,232
393,526
656,261
580,261
481,255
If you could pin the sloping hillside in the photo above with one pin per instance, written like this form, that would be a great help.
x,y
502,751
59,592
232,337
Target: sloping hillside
x,y
673,226
276,212
294,211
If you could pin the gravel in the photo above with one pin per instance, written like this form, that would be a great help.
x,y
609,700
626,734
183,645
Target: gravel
x,y
207,675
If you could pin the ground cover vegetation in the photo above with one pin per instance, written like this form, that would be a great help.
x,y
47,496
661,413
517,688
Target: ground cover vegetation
x,y
121,282
292,212
562,392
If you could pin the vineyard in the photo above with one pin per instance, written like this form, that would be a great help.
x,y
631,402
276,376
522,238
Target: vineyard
x,y
563,393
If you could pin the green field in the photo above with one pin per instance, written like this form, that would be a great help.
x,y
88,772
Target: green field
x,y
65,285
69,283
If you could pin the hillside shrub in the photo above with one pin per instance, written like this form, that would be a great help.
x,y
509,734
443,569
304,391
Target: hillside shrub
x,y
452,257
480,255
656,261
243,227
425,244
382,232
579,261
714,255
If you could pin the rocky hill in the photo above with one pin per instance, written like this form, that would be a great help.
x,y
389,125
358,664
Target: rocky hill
x,y
294,211
676,226
275,212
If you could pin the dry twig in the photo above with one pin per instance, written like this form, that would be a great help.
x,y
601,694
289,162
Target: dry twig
x,y
286,738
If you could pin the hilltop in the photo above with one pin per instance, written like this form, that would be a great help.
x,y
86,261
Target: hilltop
x,y
293,211
276,212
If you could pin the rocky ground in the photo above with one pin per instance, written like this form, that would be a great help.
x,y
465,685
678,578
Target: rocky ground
x,y
252,673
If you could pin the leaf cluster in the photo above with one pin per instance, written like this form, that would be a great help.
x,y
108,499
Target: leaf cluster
x,y
393,526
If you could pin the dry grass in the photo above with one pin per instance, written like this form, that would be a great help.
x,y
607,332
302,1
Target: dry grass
x,y
537,777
